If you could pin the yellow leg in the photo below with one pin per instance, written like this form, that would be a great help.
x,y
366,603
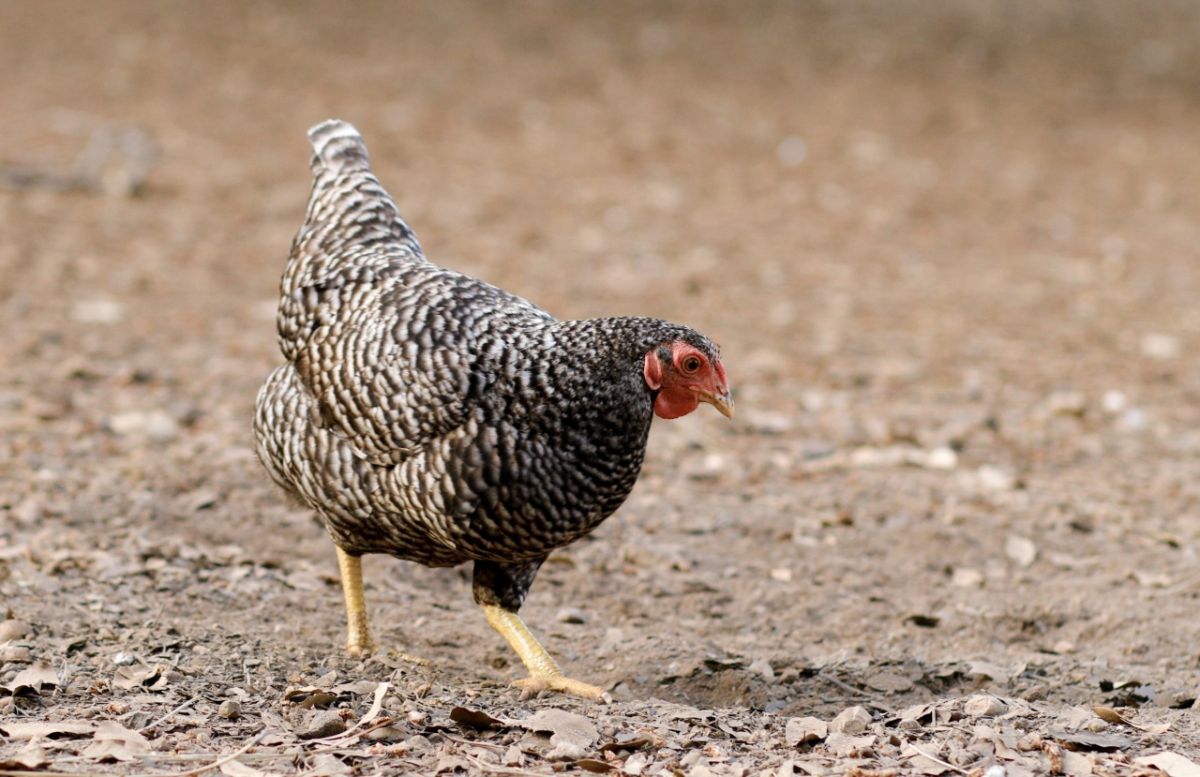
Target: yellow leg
x,y
358,636
544,674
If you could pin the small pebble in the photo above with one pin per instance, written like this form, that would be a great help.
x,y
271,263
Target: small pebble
x,y
983,704
762,668
942,457
324,724
708,468
791,151
13,629
1067,403
17,654
1114,401
767,423
1133,419
156,425
1160,346
1021,550
230,709
571,615
965,577
994,479
97,311
852,720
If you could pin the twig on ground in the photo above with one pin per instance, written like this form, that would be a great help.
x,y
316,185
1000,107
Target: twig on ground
x,y
498,769
938,761
170,714
221,761
376,706
845,686
468,742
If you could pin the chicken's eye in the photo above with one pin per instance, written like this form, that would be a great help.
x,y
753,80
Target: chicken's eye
x,y
690,364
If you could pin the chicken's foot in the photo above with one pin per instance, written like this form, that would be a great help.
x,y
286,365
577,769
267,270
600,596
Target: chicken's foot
x,y
544,674
358,636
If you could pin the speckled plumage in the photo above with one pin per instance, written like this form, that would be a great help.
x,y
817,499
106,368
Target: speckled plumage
x,y
434,417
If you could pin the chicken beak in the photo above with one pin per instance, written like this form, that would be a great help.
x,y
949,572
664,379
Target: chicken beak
x,y
722,402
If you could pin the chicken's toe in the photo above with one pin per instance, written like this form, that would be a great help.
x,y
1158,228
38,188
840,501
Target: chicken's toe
x,y
535,685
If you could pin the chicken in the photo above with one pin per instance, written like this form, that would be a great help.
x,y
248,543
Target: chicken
x,y
436,418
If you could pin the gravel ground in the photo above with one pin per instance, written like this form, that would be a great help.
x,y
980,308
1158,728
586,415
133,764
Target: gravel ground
x,y
949,251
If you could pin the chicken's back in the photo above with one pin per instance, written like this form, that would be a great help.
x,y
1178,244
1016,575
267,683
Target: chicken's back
x,y
392,414
388,344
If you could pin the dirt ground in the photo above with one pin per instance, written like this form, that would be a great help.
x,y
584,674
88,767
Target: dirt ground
x,y
949,251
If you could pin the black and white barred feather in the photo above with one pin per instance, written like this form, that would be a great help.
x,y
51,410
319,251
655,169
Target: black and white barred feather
x,y
432,416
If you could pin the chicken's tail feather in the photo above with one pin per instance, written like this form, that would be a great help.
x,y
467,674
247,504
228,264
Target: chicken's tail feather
x,y
351,218
352,233
337,147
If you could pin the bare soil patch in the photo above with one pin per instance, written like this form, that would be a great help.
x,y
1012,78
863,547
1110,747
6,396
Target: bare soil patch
x,y
949,251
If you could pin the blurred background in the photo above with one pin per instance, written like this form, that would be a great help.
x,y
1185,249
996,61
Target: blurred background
x,y
949,250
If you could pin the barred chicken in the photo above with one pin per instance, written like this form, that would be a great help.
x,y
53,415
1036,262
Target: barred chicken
x,y
436,418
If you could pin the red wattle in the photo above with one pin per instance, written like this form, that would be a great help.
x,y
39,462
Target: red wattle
x,y
673,404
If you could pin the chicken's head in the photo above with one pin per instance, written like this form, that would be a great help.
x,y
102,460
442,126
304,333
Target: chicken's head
x,y
685,375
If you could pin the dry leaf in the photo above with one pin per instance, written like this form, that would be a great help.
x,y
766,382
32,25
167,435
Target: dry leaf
x,y
635,743
386,734
464,716
317,700
310,696
128,677
236,768
28,757
327,765
592,765
358,687
47,730
114,742
635,764
1174,764
570,734
448,762
1109,715
801,731
34,677
889,682
922,759
984,669
1076,764
1079,740
918,714
846,746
